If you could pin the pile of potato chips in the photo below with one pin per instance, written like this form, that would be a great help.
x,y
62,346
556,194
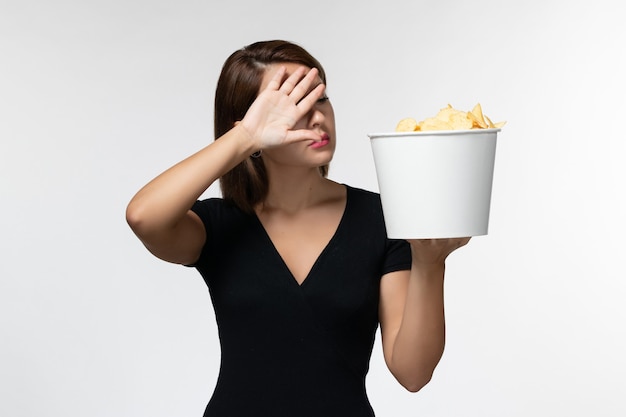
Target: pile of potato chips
x,y
450,118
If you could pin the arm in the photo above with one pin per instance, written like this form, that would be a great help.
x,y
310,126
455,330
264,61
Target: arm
x,y
412,313
160,214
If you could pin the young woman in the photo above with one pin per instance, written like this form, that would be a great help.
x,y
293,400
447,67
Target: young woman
x,y
299,268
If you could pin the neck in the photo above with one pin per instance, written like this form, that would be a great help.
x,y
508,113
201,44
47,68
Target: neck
x,y
295,190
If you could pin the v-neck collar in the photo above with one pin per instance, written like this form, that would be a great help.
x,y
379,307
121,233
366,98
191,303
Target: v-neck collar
x,y
326,248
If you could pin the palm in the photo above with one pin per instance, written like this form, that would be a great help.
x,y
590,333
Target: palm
x,y
273,115
435,250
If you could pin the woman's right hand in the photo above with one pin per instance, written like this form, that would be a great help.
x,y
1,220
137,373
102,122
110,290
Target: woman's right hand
x,y
159,213
271,118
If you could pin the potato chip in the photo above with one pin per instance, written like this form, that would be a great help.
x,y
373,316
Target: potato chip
x,y
407,125
479,119
450,118
493,125
456,119
434,123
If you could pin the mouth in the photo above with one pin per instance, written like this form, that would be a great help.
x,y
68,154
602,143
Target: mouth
x,y
323,142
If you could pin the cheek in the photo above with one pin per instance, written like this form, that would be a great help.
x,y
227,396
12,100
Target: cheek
x,y
330,116
284,153
300,124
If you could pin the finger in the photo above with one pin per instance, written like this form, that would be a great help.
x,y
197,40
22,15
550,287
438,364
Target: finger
x,y
302,135
290,83
277,79
305,85
458,243
311,98
464,241
426,242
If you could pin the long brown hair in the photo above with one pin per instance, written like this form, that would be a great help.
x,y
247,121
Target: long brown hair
x,y
238,86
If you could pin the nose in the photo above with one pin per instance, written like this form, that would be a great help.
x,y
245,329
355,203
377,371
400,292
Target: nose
x,y
316,117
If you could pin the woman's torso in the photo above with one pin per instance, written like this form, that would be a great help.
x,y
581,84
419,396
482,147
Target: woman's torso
x,y
291,349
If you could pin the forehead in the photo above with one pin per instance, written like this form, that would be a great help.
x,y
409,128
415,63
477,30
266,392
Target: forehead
x,y
271,69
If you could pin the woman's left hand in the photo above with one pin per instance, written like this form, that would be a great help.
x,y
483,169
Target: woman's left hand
x,y
435,251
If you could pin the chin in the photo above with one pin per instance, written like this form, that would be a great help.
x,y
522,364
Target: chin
x,y
325,158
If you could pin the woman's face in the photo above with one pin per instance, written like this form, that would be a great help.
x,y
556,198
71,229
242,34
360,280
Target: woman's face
x,y
321,119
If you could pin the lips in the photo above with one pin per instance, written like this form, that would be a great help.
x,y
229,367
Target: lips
x,y
323,142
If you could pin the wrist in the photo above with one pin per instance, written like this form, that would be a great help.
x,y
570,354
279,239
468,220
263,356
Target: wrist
x,y
245,139
429,269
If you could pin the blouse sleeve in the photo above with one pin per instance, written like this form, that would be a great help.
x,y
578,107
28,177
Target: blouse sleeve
x,y
207,211
397,257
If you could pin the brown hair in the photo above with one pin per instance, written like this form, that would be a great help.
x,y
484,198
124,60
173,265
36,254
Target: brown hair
x,y
238,86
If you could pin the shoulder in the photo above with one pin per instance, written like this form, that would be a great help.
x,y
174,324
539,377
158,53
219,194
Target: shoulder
x,y
223,223
363,194
217,213
215,206
365,208
364,199
369,226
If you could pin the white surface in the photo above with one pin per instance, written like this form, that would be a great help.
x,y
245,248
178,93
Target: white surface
x,y
435,184
97,97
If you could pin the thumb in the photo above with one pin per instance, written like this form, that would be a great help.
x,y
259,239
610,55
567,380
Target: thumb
x,y
302,135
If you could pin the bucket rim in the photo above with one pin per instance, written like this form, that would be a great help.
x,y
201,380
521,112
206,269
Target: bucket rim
x,y
432,133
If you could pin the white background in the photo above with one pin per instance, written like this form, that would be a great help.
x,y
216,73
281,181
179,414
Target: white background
x,y
98,97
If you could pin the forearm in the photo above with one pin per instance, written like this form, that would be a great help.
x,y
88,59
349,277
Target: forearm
x,y
420,340
166,199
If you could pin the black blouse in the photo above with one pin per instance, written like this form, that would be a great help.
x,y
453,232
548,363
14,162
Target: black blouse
x,y
288,349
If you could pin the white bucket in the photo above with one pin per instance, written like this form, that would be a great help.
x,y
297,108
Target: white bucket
x,y
435,184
